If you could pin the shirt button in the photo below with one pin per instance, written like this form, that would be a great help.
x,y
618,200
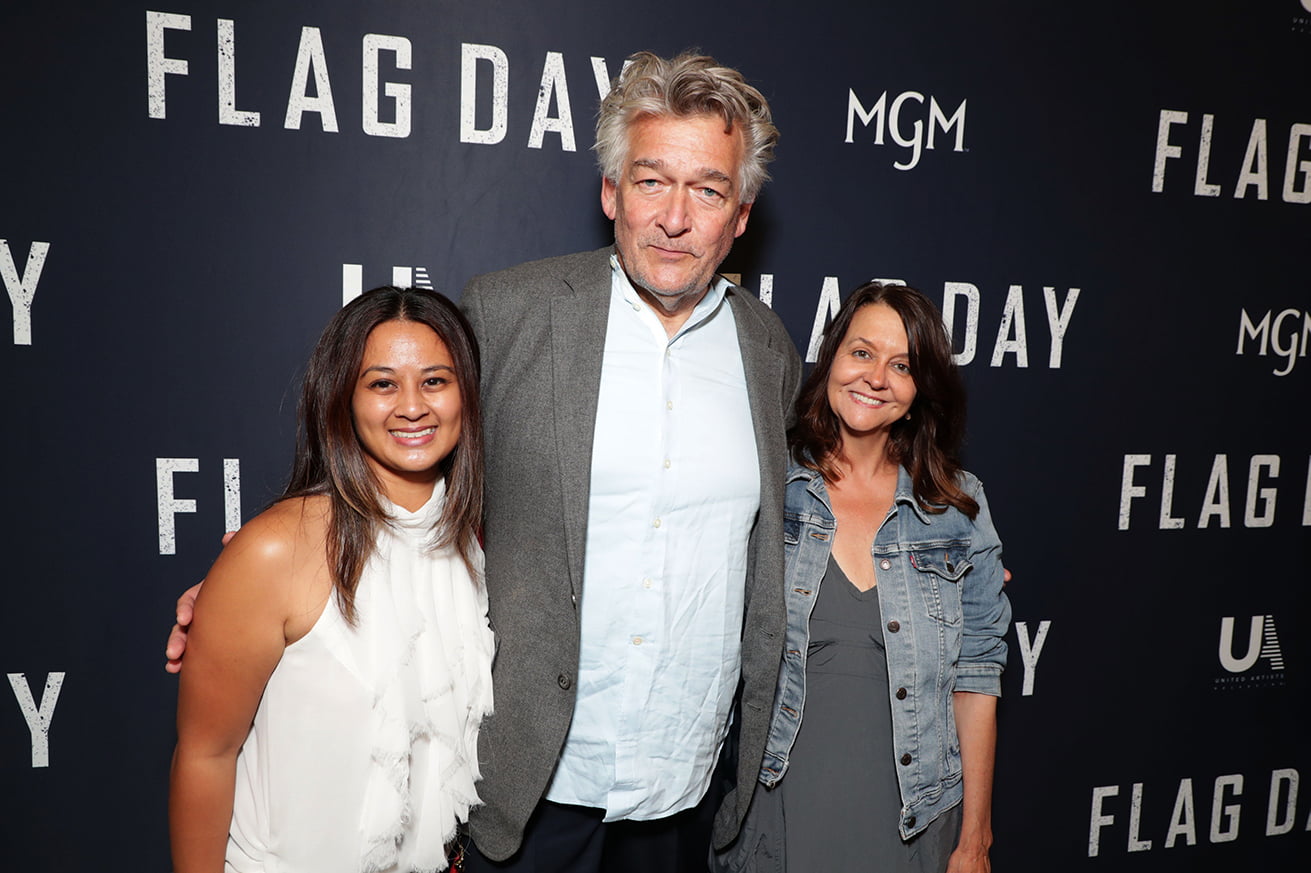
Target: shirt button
x,y
637,641
905,759
646,583
894,625
563,681
669,404
668,463
901,693
655,523
885,564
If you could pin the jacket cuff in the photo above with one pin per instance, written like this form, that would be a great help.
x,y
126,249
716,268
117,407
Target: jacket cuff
x,y
979,679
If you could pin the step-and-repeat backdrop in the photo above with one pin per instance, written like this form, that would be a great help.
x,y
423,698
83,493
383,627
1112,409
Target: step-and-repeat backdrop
x,y
1112,201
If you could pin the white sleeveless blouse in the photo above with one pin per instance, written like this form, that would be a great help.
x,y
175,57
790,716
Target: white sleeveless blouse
x,y
363,753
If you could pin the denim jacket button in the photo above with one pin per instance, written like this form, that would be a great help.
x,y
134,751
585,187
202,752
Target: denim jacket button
x,y
901,693
910,821
885,564
905,759
894,626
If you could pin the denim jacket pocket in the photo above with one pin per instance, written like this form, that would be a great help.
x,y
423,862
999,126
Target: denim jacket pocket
x,y
941,567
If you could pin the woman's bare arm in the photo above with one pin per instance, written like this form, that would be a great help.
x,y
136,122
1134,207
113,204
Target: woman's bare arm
x,y
234,644
976,722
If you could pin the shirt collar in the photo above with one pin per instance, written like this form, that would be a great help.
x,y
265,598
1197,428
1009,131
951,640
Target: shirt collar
x,y
906,494
705,308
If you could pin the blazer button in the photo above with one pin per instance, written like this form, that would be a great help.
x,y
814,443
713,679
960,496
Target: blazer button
x,y
564,681
901,693
905,759
894,625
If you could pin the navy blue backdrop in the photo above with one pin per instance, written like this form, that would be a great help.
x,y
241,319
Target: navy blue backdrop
x,y
1111,200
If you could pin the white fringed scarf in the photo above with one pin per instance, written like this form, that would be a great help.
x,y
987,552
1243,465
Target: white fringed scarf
x,y
430,672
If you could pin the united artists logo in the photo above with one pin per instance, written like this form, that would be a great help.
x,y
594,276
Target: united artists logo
x,y
352,280
1262,646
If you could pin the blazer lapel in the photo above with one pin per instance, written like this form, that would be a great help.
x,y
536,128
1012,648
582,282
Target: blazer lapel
x,y
578,325
765,369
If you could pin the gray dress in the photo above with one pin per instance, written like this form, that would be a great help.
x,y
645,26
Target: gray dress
x,y
840,800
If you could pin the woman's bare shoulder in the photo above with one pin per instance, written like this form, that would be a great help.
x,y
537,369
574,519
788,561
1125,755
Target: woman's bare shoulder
x,y
284,528
274,547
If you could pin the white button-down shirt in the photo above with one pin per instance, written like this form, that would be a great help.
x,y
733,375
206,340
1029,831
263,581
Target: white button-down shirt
x,y
675,489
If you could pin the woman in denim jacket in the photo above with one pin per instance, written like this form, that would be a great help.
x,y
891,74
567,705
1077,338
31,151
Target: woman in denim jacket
x,y
885,714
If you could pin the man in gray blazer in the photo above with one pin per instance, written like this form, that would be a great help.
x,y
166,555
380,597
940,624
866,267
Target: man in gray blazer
x,y
635,411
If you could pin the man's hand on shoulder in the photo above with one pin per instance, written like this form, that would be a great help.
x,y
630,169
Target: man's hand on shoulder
x,y
177,638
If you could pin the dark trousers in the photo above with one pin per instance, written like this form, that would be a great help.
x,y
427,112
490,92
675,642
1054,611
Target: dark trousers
x,y
573,839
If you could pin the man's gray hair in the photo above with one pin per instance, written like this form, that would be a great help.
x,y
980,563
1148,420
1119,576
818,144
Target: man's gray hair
x,y
684,87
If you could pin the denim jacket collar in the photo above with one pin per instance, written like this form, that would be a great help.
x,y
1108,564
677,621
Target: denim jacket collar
x,y
905,493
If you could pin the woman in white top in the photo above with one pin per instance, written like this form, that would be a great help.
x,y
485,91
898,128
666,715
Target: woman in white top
x,y
340,660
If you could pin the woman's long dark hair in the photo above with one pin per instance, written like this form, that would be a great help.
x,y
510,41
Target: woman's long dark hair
x,y
928,444
330,460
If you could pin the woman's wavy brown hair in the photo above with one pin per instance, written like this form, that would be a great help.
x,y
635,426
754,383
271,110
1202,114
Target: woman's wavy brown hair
x,y
928,444
330,460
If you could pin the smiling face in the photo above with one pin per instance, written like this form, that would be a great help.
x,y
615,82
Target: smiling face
x,y
869,385
676,206
406,408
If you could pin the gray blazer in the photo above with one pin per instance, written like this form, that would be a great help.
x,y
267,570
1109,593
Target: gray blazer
x,y
541,327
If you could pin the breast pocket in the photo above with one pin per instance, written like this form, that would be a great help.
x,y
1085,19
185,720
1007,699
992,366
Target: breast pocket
x,y
940,570
805,547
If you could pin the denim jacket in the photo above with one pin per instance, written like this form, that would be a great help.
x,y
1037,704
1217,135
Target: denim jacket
x,y
945,615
